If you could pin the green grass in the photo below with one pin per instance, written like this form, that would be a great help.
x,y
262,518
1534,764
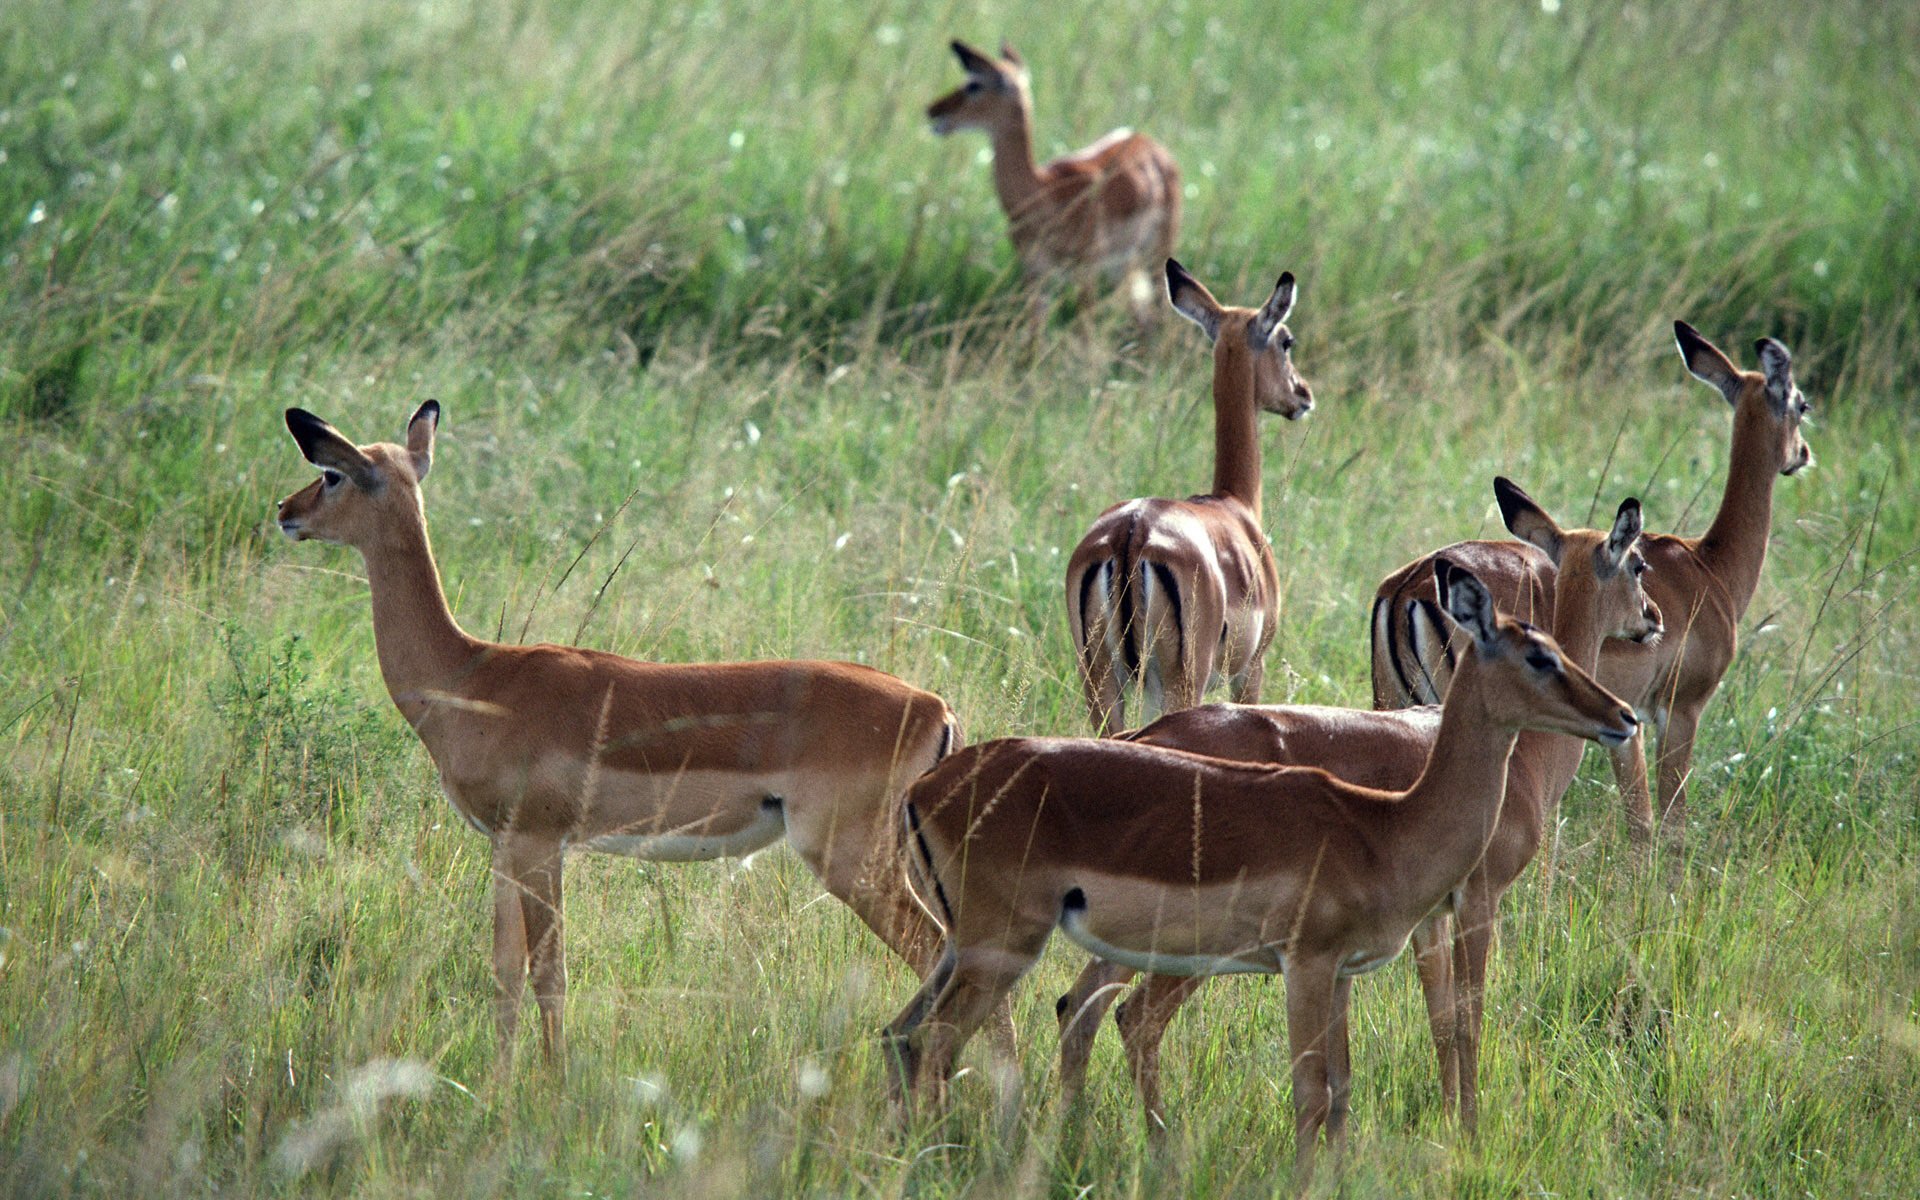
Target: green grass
x,y
777,391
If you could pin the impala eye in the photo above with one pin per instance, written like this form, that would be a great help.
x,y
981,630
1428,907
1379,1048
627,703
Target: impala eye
x,y
329,476
1640,567
1286,344
973,85
1540,660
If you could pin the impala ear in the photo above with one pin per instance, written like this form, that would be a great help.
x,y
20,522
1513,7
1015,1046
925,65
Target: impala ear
x,y
1273,313
1526,520
1706,362
974,62
1626,531
1011,55
1467,601
323,446
420,431
1778,365
1192,300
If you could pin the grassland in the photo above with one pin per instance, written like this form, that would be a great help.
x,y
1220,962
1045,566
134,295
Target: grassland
x,y
711,312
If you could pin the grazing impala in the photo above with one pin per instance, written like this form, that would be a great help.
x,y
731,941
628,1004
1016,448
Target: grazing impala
x,y
1702,584
1174,594
1597,593
1182,864
546,748
1110,210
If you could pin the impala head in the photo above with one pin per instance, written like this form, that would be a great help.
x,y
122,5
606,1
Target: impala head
x,y
362,490
1606,562
1766,399
1537,687
1277,386
995,91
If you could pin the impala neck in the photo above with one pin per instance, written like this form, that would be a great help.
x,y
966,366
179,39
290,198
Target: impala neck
x,y
420,645
1448,816
1735,545
1577,628
1015,177
1236,431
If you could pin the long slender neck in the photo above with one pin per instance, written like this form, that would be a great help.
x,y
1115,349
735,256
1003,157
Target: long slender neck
x,y
1015,177
421,647
1553,759
1735,545
1446,819
1236,430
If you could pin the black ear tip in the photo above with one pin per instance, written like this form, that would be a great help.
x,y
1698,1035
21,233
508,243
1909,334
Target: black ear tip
x,y
1175,270
1630,504
430,409
1286,280
299,420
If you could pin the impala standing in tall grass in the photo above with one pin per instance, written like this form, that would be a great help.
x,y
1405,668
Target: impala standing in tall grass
x,y
1597,594
1175,594
1183,864
1110,210
546,748
1702,584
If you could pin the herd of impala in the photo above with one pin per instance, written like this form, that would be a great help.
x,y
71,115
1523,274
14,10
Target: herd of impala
x,y
1306,841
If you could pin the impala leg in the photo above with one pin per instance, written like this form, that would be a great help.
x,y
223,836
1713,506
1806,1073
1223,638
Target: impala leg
x,y
509,948
1079,1012
979,983
1433,958
903,1080
1106,707
1676,764
1143,1019
1246,687
1630,773
1339,1067
537,870
1479,910
1310,995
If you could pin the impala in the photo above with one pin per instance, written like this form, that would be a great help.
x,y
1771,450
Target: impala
x,y
1111,209
1174,594
1597,593
1177,863
545,748
1703,585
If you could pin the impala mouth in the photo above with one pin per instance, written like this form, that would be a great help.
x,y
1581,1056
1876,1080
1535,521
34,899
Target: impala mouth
x,y
1620,737
292,529
1650,636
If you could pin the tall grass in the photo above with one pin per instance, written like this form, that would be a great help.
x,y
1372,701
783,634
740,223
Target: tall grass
x,y
704,300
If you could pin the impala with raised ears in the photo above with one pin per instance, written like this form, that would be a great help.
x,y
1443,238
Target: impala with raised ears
x,y
1183,864
549,748
1175,595
1703,585
1597,594
1112,209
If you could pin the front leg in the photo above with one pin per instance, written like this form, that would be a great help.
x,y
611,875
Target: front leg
x,y
1339,1067
1676,765
1433,958
1630,773
1079,1012
1310,1016
509,948
533,875
1473,942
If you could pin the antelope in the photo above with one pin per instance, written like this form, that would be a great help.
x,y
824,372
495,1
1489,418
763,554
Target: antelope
x,y
1175,594
1702,584
1597,593
1105,210
547,748
1177,863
